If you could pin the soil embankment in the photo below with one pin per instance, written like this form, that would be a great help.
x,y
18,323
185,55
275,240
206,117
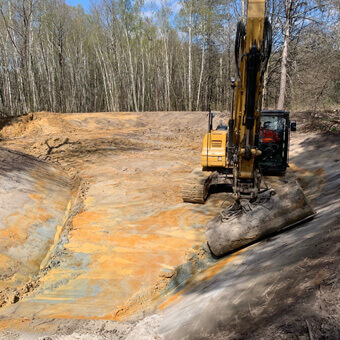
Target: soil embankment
x,y
34,198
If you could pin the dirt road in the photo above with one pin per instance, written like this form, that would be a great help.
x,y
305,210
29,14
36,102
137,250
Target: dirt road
x,y
121,243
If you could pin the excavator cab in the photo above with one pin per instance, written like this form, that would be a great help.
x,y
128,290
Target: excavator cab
x,y
274,141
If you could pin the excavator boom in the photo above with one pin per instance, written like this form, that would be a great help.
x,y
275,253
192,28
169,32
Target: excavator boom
x,y
252,50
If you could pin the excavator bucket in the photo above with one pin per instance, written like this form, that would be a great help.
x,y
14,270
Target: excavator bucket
x,y
245,223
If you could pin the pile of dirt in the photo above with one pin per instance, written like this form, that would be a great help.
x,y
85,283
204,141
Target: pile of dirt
x,y
36,124
69,140
48,123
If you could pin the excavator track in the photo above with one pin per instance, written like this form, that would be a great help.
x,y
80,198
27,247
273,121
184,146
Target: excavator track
x,y
196,189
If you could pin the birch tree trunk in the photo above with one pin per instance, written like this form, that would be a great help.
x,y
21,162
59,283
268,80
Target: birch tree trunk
x,y
201,76
283,79
167,72
100,58
132,73
7,101
190,62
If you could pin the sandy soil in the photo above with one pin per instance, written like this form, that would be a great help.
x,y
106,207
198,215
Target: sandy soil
x,y
128,259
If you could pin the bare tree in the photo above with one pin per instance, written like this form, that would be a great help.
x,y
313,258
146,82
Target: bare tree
x,y
117,56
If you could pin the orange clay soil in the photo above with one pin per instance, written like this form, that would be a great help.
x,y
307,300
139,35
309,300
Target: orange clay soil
x,y
128,231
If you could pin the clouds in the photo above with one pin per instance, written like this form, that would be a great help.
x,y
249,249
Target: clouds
x,y
151,7
149,10
176,7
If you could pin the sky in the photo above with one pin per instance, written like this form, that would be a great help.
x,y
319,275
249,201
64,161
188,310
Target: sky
x,y
149,5
84,3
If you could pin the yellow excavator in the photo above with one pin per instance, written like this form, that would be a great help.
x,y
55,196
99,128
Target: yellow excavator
x,y
254,143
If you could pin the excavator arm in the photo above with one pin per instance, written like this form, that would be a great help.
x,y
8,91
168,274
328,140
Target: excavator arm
x,y
252,50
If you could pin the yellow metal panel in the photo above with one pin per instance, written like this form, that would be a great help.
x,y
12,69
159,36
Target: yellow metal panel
x,y
214,149
256,8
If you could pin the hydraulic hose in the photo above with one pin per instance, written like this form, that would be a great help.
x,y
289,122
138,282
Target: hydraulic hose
x,y
240,34
267,45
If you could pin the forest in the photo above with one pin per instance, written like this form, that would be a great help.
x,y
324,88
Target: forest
x,y
134,55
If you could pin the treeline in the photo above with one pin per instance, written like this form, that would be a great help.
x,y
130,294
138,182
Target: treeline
x,y
120,57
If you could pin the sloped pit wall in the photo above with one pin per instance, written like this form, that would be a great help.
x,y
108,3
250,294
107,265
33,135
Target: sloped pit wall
x,y
34,200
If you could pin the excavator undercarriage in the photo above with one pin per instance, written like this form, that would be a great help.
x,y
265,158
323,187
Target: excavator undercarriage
x,y
198,185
